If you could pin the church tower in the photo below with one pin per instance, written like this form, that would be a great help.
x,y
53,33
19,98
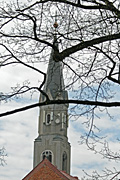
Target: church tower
x,y
52,141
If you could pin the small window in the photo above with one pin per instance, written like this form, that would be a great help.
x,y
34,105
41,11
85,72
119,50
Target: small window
x,y
47,154
48,119
64,162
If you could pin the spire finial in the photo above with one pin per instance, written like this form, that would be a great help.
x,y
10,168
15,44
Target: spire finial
x,y
55,31
55,24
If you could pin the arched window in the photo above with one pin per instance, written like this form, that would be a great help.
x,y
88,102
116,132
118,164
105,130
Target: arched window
x,y
48,119
47,154
64,162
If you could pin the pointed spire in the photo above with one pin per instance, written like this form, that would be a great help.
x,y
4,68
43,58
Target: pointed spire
x,y
54,81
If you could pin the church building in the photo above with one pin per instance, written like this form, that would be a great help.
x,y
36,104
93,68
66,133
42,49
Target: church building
x,y
51,148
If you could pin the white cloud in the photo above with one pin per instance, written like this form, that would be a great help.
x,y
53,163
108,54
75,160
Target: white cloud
x,y
18,131
17,134
84,159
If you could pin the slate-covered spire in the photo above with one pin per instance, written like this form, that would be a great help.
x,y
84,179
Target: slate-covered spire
x,y
54,81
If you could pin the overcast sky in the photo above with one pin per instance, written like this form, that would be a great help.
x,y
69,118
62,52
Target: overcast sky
x,y
18,131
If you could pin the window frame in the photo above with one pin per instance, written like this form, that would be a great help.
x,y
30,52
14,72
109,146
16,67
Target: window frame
x,y
47,154
64,161
48,121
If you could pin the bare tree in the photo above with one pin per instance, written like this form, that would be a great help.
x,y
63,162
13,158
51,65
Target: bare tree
x,y
2,156
88,33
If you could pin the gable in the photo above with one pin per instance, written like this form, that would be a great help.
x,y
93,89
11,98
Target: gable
x,y
47,171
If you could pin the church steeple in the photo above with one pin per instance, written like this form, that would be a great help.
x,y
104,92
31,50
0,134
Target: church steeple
x,y
54,81
52,141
